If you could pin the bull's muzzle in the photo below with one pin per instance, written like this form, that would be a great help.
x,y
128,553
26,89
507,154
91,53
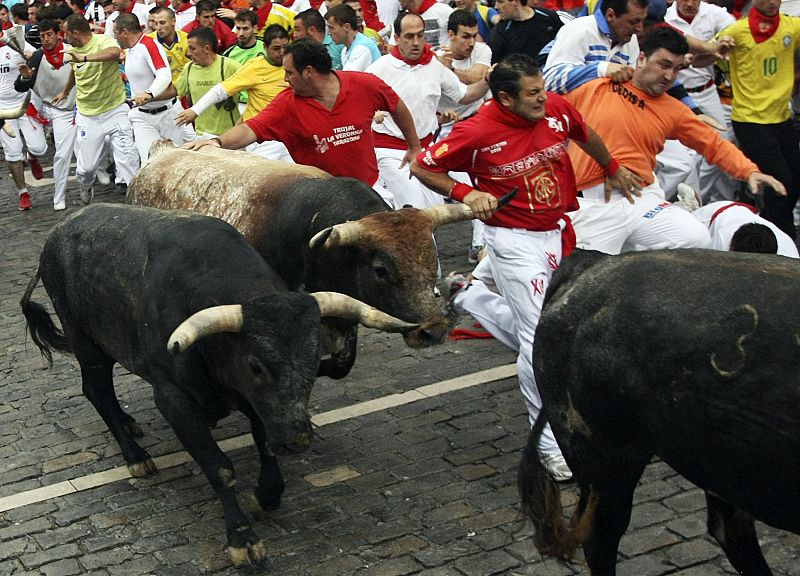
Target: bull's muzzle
x,y
294,445
428,334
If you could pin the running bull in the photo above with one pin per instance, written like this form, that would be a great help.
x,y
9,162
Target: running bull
x,y
630,363
186,303
316,231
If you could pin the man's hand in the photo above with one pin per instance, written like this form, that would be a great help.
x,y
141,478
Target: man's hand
x,y
483,204
409,156
445,56
711,122
758,179
723,47
379,116
619,72
59,98
141,98
197,144
626,182
226,13
72,58
186,117
26,71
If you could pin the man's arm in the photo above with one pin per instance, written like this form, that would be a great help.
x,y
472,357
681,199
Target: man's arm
x,y
475,91
215,95
482,204
405,122
109,54
474,74
236,138
617,177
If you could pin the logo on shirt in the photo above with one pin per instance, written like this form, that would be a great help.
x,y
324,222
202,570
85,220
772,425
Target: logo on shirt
x,y
441,150
321,144
341,135
650,214
531,161
554,124
494,148
787,41
628,95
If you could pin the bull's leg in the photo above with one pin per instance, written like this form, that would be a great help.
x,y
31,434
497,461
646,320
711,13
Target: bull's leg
x,y
189,424
270,481
736,533
613,488
98,387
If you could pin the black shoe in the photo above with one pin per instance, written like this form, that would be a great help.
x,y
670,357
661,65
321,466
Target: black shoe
x,y
121,188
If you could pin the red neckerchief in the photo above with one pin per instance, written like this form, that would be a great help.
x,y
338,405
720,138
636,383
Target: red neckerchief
x,y
686,18
56,55
8,25
731,205
287,3
263,14
762,27
129,9
424,6
167,4
424,58
184,7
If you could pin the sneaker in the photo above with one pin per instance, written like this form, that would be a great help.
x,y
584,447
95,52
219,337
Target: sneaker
x,y
103,177
87,194
25,201
556,466
36,167
121,188
688,199
474,255
58,206
453,284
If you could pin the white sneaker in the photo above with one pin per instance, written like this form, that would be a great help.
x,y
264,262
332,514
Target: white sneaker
x,y
103,177
58,206
556,466
688,199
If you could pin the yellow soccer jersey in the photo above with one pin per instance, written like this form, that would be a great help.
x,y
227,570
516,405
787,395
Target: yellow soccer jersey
x,y
262,81
176,52
277,15
762,74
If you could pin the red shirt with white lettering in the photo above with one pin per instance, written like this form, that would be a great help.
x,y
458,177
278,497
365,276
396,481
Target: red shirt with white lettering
x,y
501,151
338,141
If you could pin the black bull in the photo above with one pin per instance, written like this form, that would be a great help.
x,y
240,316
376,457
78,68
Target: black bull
x,y
183,301
693,356
360,247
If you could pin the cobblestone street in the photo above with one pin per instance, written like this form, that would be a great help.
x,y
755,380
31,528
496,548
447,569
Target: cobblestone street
x,y
424,487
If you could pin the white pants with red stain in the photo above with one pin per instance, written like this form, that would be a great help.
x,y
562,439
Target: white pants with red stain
x,y
89,146
651,223
523,262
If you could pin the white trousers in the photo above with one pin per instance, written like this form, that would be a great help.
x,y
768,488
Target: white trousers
x,y
522,264
651,223
713,183
272,150
92,131
63,123
147,128
675,165
28,133
404,188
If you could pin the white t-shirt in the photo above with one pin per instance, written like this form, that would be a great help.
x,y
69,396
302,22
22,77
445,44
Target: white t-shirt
x,y
481,54
420,87
139,10
359,60
144,62
10,61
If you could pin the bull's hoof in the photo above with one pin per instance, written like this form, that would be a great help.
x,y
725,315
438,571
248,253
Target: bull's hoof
x,y
253,552
268,499
143,469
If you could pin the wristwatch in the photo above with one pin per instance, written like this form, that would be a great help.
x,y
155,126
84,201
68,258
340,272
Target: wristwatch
x,y
149,93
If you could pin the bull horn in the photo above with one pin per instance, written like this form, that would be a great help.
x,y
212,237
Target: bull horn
x,y
208,321
11,113
8,129
448,214
348,308
339,235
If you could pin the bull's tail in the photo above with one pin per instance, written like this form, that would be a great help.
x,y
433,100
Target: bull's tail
x,y
44,333
541,502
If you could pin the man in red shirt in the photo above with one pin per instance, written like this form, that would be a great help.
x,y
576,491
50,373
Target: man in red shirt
x,y
325,120
207,17
519,140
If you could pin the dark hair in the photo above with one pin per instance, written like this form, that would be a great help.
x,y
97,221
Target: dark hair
x,y
49,25
205,6
274,31
507,75
62,12
37,4
343,14
754,237
21,10
664,37
398,22
127,21
3,7
159,9
620,7
312,18
205,37
76,23
461,17
246,16
306,52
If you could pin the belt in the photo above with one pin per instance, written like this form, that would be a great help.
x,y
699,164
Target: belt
x,y
697,89
158,110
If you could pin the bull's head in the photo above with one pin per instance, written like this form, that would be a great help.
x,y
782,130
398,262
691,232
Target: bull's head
x,y
396,263
274,366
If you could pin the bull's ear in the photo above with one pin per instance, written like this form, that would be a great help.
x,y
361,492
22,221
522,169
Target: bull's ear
x,y
319,239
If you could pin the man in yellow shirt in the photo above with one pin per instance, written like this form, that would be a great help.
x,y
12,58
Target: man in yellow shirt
x,y
762,77
262,78
174,42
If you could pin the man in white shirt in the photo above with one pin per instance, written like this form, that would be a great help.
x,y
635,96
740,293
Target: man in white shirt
x,y
359,51
420,80
434,14
130,6
703,20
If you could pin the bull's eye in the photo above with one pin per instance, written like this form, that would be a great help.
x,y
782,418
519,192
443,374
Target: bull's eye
x,y
255,367
380,271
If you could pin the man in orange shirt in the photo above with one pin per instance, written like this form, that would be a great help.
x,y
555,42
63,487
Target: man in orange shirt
x,y
634,119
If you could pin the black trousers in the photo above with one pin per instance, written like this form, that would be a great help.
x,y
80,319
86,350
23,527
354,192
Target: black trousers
x,y
776,150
